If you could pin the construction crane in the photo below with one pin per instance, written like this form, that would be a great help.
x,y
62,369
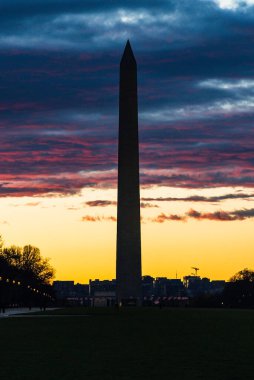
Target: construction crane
x,y
196,270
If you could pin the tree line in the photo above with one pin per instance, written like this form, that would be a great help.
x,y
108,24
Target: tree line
x,y
25,277
238,293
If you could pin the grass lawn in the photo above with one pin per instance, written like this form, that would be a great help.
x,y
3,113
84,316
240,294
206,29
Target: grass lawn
x,y
129,344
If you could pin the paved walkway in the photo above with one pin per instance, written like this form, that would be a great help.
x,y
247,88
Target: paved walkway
x,y
24,312
21,310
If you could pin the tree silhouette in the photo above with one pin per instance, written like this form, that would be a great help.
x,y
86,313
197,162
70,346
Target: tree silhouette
x,y
239,291
33,263
243,275
25,276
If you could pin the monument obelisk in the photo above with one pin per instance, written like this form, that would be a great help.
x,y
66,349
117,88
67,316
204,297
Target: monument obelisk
x,y
128,256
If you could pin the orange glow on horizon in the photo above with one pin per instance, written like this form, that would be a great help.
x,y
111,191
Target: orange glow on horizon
x,y
86,250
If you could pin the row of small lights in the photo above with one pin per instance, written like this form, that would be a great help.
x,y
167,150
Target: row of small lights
x,y
28,287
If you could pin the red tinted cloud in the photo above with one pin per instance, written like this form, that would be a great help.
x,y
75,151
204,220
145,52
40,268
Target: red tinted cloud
x,y
89,218
223,216
104,203
161,218
220,215
199,198
100,203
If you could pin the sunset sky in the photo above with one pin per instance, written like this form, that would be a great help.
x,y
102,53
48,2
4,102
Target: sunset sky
x,y
59,70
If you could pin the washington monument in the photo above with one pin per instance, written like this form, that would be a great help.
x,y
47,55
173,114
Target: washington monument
x,y
128,255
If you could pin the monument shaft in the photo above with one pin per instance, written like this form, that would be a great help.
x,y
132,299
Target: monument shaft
x,y
128,263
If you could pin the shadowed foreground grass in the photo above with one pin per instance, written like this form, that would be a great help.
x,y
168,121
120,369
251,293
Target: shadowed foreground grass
x,y
129,344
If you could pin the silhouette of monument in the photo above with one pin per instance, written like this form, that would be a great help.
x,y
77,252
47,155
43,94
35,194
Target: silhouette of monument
x,y
128,256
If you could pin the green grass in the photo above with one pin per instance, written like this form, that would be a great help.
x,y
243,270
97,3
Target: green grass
x,y
129,344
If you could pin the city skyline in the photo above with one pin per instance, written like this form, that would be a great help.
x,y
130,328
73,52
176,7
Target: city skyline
x,y
59,122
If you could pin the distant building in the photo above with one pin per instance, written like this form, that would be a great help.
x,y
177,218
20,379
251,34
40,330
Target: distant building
x,y
155,291
103,299
63,289
217,286
165,287
81,290
66,292
101,286
160,287
175,288
102,293
197,286
147,286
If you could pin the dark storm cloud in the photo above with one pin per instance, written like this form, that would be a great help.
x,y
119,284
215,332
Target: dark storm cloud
x,y
70,23
59,93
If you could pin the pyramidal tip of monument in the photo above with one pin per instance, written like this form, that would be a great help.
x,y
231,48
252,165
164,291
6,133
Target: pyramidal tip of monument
x,y
128,56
